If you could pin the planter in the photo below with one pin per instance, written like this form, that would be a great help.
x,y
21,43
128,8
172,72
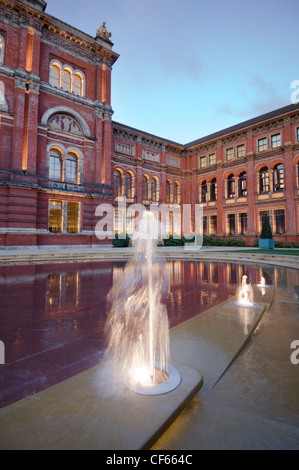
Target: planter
x,y
266,243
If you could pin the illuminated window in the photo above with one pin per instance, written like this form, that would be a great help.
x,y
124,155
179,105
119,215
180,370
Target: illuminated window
x,y
213,224
55,75
264,183
146,188
78,84
117,183
169,192
55,216
275,141
278,178
262,216
177,193
241,151
212,159
230,186
71,165
2,47
66,81
202,162
243,223
242,184
229,154
231,224
72,217
129,185
155,190
213,190
55,166
262,144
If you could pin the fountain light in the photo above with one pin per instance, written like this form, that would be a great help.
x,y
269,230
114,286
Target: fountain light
x,y
263,284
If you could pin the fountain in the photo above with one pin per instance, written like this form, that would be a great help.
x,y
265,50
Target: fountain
x,y
245,297
137,325
263,284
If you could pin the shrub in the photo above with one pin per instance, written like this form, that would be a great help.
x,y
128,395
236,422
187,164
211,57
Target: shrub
x,y
121,242
173,241
296,245
256,243
235,242
288,245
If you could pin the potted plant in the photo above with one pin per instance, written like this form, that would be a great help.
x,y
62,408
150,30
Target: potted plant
x,y
266,240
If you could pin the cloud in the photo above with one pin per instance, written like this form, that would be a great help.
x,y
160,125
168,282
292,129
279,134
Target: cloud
x,y
263,96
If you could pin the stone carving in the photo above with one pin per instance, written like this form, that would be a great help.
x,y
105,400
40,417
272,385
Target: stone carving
x,y
171,161
65,123
124,148
103,33
151,156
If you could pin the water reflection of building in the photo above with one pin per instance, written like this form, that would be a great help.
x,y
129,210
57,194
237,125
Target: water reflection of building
x,y
63,289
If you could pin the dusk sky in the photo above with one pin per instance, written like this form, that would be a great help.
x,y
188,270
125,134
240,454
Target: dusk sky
x,y
188,68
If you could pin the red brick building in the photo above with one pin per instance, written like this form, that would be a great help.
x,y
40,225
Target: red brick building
x,y
61,155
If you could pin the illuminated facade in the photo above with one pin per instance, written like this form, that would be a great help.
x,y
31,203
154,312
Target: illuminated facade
x,y
62,155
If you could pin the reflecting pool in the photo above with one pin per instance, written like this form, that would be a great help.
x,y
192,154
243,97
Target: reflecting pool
x,y
52,317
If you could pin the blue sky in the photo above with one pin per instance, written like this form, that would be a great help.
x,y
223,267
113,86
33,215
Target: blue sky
x,y
188,68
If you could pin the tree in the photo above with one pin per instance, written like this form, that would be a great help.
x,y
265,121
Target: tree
x,y
266,228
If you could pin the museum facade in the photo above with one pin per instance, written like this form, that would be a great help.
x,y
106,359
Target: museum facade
x,y
62,155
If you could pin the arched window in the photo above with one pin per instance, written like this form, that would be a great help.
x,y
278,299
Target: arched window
x,y
78,84
2,47
203,191
155,190
213,190
145,188
169,192
230,186
278,177
71,168
117,183
264,184
242,184
177,193
55,75
66,80
55,165
129,185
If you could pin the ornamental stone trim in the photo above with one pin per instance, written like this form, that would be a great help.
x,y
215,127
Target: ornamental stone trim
x,y
71,112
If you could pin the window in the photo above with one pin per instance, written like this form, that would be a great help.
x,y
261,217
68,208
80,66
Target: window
x,y
2,47
264,184
275,141
145,188
243,223
55,216
213,190
262,144
278,178
243,184
231,224
55,76
203,192
279,217
155,190
229,154
241,151
117,183
230,186
66,79
177,193
129,185
297,130
71,169
55,165
213,224
202,162
72,217
205,225
212,159
169,192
